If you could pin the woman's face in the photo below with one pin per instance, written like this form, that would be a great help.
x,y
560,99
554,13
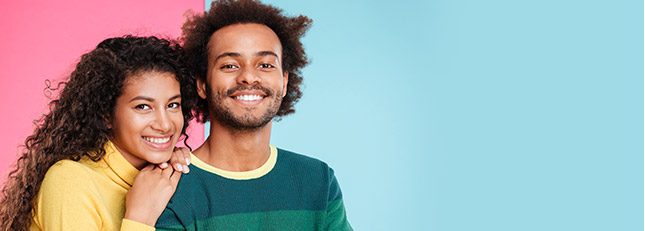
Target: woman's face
x,y
147,118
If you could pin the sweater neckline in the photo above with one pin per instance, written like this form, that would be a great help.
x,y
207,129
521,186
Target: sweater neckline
x,y
244,175
115,161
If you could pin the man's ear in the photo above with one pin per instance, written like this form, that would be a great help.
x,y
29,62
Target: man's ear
x,y
285,77
201,88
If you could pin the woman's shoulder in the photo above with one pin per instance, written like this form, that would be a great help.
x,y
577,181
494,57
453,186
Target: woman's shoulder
x,y
67,167
67,173
67,195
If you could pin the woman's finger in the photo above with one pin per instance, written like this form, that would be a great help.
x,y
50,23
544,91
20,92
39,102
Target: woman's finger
x,y
186,153
178,160
166,173
174,178
148,168
163,165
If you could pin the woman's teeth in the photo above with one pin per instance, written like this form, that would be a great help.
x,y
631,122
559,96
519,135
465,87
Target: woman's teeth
x,y
157,140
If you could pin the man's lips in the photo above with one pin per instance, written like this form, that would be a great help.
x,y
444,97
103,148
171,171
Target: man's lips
x,y
249,99
244,90
249,96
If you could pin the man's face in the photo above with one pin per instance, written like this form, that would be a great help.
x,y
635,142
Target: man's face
x,y
245,81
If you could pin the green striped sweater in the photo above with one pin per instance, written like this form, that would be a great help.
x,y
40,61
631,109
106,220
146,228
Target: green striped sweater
x,y
289,192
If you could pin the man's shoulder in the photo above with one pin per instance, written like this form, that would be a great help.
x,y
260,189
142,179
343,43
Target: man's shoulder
x,y
303,164
300,159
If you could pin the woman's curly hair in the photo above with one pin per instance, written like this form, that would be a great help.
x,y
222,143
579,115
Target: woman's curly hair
x,y
198,29
77,124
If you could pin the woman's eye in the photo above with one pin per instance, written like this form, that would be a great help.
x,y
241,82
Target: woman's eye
x,y
174,105
266,65
142,107
229,66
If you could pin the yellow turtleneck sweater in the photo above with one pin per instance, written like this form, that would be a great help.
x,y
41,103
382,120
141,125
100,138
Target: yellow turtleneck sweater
x,y
86,195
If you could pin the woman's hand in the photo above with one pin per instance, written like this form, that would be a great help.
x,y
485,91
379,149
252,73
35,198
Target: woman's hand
x,y
179,160
150,193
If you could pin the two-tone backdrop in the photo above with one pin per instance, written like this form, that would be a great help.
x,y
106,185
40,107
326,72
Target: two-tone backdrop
x,y
436,115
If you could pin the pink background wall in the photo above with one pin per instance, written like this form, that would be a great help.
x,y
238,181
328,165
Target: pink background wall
x,y
43,40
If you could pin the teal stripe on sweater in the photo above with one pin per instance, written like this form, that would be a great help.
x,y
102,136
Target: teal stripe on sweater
x,y
274,220
298,190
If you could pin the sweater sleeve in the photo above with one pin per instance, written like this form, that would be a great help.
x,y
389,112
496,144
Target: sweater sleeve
x,y
130,225
336,217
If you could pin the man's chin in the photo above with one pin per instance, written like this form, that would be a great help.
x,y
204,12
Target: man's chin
x,y
246,124
242,120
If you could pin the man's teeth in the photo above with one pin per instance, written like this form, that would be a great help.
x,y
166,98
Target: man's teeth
x,y
248,97
157,140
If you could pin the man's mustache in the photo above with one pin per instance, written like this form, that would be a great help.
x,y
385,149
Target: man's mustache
x,y
266,91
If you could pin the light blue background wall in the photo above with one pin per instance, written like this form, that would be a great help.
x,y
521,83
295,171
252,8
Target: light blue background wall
x,y
476,115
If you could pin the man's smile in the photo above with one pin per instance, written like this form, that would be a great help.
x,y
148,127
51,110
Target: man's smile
x,y
249,97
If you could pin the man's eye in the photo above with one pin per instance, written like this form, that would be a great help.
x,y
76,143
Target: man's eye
x,y
142,107
174,105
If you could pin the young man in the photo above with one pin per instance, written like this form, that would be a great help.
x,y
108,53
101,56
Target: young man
x,y
248,58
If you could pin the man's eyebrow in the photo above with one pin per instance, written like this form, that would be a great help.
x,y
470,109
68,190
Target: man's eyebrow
x,y
265,53
235,54
227,54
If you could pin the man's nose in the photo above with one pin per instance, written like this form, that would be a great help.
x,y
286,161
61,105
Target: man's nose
x,y
248,76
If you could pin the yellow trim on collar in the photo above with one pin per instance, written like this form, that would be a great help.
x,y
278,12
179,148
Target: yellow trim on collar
x,y
246,175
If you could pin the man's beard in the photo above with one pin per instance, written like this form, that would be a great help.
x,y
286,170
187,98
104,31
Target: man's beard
x,y
245,121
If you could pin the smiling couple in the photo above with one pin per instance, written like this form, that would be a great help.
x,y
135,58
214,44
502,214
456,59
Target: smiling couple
x,y
100,159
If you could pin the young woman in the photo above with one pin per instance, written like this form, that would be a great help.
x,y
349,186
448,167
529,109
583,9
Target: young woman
x,y
97,160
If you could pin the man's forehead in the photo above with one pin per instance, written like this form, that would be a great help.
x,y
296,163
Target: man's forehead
x,y
244,39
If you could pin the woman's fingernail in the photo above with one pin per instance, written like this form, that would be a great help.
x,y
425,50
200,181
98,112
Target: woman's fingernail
x,y
179,168
187,161
186,169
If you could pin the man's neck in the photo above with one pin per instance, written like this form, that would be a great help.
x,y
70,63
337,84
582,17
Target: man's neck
x,y
235,150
